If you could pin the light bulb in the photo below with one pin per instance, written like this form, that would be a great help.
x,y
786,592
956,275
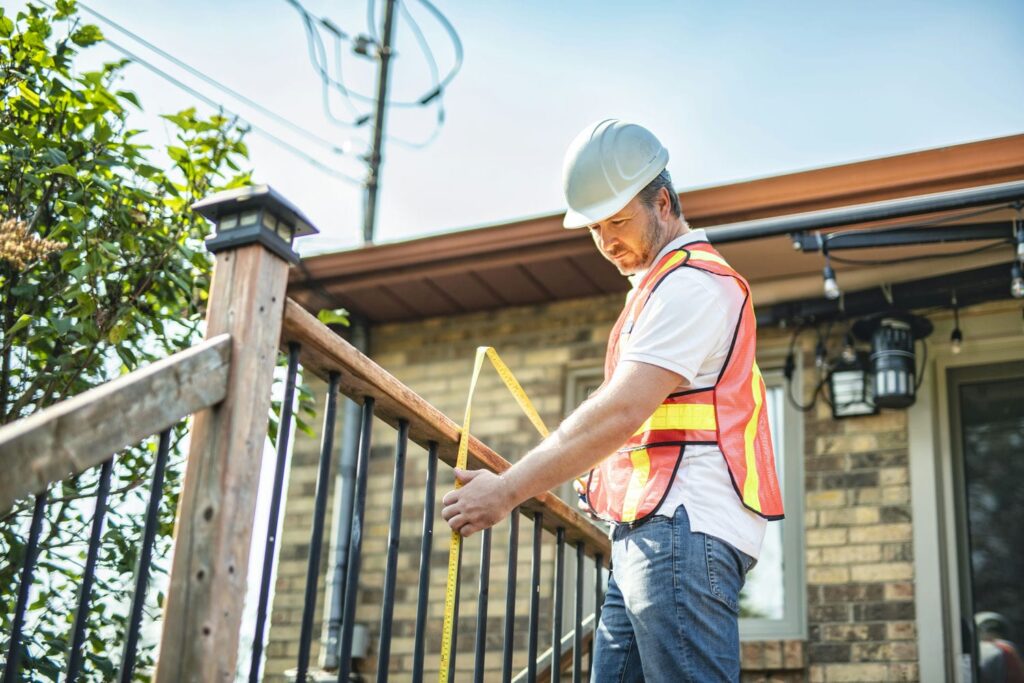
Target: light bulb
x,y
832,290
849,353
1016,282
956,341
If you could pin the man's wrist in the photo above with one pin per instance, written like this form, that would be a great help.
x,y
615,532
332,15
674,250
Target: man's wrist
x,y
510,487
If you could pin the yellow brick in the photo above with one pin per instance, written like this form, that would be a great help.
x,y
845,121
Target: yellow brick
x,y
828,575
851,554
826,499
895,571
847,443
866,515
817,537
900,630
856,673
868,496
899,591
892,495
881,533
888,476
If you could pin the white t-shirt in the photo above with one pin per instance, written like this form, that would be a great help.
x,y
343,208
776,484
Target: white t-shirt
x,y
686,327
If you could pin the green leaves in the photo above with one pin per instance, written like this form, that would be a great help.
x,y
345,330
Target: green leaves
x,y
126,287
23,320
338,316
87,35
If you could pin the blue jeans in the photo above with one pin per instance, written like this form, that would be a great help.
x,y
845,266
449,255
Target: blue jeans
x,y
671,612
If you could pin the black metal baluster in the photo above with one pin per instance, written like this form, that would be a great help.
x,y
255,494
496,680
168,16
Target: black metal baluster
x,y
510,596
391,567
317,534
598,602
284,429
556,616
481,606
82,613
145,558
426,544
355,542
27,570
455,619
577,639
531,662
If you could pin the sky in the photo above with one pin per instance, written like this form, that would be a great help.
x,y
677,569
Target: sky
x,y
734,90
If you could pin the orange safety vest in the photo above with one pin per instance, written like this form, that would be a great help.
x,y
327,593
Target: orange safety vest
x,y
631,484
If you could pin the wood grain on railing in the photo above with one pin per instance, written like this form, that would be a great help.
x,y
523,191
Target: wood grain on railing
x,y
82,432
323,351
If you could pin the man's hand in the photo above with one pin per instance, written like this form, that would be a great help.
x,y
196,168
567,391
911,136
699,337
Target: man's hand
x,y
483,501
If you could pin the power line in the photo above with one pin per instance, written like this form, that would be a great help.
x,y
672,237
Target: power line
x,y
211,81
318,58
262,131
424,99
428,54
209,101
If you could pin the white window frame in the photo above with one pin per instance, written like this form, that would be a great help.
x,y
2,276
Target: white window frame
x,y
789,444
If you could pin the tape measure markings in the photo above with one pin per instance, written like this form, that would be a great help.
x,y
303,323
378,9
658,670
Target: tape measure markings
x,y
455,544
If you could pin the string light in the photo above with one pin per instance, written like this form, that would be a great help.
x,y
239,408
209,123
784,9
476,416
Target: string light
x,y
849,353
832,290
956,339
1016,281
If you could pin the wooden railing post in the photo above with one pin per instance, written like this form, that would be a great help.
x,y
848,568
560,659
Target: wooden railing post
x,y
203,608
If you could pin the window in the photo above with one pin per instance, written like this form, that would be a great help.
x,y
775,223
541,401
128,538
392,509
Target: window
x,y
772,602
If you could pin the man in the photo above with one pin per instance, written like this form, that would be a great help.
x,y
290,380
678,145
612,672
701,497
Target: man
x,y
678,432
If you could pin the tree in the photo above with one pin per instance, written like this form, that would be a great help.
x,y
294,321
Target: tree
x,y
102,270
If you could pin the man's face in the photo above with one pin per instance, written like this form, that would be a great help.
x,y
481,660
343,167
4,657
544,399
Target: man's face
x,y
629,239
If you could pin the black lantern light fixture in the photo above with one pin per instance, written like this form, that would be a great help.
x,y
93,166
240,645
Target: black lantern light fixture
x,y
254,214
851,384
894,365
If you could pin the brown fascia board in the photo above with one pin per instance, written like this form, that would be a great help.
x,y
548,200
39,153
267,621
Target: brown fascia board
x,y
934,170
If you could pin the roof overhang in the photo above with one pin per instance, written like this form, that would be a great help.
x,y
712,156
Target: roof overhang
x,y
536,261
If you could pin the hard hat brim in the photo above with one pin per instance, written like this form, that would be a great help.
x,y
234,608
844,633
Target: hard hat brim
x,y
604,210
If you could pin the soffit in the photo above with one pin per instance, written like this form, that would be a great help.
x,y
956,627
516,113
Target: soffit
x,y
536,261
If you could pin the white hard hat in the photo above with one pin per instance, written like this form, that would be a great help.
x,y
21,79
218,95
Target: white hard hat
x,y
607,165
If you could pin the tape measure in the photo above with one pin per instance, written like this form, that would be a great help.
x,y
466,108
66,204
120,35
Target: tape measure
x,y
455,545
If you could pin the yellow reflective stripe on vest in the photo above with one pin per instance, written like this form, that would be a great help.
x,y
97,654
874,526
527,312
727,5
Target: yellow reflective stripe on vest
x,y
681,416
674,259
705,256
750,486
641,461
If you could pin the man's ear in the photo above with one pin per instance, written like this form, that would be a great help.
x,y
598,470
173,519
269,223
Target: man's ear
x,y
664,204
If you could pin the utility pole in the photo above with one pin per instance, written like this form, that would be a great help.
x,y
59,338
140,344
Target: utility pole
x,y
373,175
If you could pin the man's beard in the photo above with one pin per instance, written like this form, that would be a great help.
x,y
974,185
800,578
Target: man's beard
x,y
651,242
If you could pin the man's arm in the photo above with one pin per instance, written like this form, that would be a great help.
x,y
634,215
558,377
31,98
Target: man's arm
x,y
595,430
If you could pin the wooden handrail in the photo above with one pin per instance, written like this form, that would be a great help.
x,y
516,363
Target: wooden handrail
x,y
323,351
82,432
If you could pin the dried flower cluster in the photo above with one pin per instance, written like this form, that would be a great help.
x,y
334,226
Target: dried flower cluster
x,y
19,247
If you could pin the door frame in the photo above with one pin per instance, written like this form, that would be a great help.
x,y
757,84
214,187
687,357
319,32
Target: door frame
x,y
933,496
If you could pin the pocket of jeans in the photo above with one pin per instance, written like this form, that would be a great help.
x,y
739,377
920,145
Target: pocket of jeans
x,y
726,571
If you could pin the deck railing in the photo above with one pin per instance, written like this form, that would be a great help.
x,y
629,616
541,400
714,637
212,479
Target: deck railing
x,y
80,434
226,383
331,358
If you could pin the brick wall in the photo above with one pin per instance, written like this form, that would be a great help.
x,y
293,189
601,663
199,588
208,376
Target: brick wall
x,y
859,550
859,567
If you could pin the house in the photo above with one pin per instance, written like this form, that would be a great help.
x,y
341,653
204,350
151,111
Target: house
x,y
902,522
